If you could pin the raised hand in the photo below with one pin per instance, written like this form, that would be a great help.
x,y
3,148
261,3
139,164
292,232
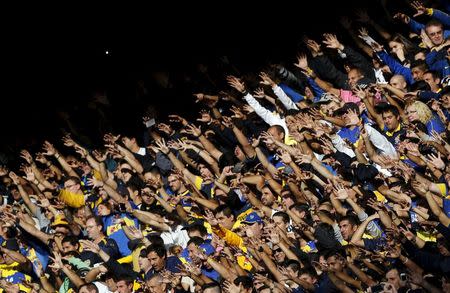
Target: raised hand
x,y
314,47
68,141
332,42
199,97
436,161
205,117
267,137
162,146
100,156
49,149
90,246
134,232
417,5
266,80
24,154
110,138
340,192
302,62
236,83
210,218
178,119
402,17
353,118
248,109
259,93
81,151
303,159
193,130
164,128
227,121
285,157
94,182
229,287
14,178
29,174
237,113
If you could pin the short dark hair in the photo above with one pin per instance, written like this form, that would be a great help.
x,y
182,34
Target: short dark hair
x,y
283,215
390,108
422,65
351,219
225,209
279,128
155,239
199,228
433,73
73,240
98,220
160,250
434,22
246,282
196,240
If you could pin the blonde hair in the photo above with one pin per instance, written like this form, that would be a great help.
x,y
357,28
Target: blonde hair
x,y
423,111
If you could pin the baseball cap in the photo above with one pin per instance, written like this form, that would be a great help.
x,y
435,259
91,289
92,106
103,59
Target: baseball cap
x,y
207,248
252,218
59,221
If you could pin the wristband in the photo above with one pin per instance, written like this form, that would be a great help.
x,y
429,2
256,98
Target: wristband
x,y
57,155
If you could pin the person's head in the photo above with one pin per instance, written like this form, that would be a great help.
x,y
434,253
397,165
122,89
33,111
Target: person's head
x,y
300,210
174,183
88,288
354,75
155,284
348,226
393,278
94,226
278,254
281,220
288,198
391,117
193,250
245,283
124,171
225,216
445,98
124,285
420,55
418,68
396,45
253,225
205,173
308,276
130,142
432,79
197,230
104,209
278,134
144,261
157,255
267,196
146,196
435,31
72,184
70,244
335,262
399,82
418,111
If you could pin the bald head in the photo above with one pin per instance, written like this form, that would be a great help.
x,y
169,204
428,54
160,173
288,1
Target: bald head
x,y
398,81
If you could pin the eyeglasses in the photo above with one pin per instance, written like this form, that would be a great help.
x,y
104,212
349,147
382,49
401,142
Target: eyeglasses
x,y
432,34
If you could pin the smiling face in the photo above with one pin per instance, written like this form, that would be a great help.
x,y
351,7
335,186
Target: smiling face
x,y
390,120
412,114
436,34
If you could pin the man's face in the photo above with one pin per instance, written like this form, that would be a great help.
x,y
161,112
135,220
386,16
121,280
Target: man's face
x,y
253,230
279,255
93,230
267,197
398,82
174,183
353,77
347,229
154,286
334,263
428,78
128,142
122,287
146,197
72,186
417,73
193,253
278,136
68,247
390,120
224,221
280,223
436,34
445,100
144,262
393,278
204,172
158,263
307,278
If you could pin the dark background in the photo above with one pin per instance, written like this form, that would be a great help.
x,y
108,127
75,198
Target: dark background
x,y
54,65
